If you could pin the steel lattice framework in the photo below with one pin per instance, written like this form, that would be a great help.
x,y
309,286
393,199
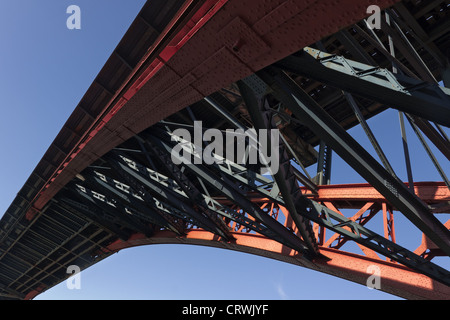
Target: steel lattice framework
x,y
311,69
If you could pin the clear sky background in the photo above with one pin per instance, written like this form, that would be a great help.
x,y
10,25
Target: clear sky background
x,y
45,69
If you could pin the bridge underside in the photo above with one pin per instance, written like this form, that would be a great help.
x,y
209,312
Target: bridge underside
x,y
110,179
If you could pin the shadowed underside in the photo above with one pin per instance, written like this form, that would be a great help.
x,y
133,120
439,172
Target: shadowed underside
x,y
312,70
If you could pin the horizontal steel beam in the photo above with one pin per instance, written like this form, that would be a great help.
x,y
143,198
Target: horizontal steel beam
x,y
424,99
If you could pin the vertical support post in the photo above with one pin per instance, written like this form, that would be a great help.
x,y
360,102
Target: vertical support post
x,y
320,163
406,152
388,224
324,164
328,157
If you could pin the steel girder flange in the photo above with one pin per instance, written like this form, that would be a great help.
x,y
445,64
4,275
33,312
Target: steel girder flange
x,y
424,99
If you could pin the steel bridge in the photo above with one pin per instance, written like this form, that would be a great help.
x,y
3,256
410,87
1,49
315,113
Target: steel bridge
x,y
313,69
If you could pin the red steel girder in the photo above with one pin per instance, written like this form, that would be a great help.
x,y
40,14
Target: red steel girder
x,y
225,41
429,192
351,195
395,279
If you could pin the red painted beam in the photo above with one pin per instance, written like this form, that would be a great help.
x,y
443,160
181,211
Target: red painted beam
x,y
429,192
227,42
354,194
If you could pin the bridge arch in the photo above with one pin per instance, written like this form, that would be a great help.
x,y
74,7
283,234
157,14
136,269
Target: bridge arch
x,y
395,279
97,190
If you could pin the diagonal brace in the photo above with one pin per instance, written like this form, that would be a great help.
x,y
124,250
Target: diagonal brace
x,y
323,125
401,92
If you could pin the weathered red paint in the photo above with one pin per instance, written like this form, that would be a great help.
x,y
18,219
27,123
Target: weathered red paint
x,y
396,279
233,39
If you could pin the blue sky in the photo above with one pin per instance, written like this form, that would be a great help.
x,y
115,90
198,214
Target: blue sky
x,y
45,69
